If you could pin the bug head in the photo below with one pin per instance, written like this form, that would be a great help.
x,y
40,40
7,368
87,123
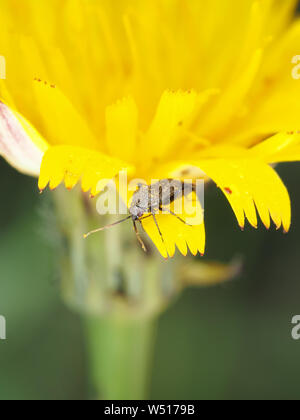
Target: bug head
x,y
136,211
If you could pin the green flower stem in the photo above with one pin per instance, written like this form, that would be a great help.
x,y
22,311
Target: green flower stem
x,y
120,356
119,291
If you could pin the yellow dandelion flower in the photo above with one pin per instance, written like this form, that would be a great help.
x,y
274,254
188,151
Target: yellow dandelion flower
x,y
161,88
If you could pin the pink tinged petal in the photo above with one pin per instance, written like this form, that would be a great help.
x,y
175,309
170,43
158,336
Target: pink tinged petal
x,y
20,144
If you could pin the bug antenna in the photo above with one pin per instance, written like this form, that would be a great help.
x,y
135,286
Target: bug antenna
x,y
106,227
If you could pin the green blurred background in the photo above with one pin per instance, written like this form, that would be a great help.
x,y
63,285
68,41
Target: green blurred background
x,y
227,342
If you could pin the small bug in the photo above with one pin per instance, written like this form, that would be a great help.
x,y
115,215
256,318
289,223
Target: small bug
x,y
149,200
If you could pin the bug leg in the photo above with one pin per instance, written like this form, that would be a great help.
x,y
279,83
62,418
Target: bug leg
x,y
173,214
139,236
158,228
145,217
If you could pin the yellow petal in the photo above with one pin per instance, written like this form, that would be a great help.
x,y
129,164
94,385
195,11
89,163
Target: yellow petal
x,y
121,129
70,164
283,147
249,184
173,111
274,106
232,100
62,122
5,95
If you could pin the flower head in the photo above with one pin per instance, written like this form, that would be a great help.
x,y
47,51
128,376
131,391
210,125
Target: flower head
x,y
161,88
